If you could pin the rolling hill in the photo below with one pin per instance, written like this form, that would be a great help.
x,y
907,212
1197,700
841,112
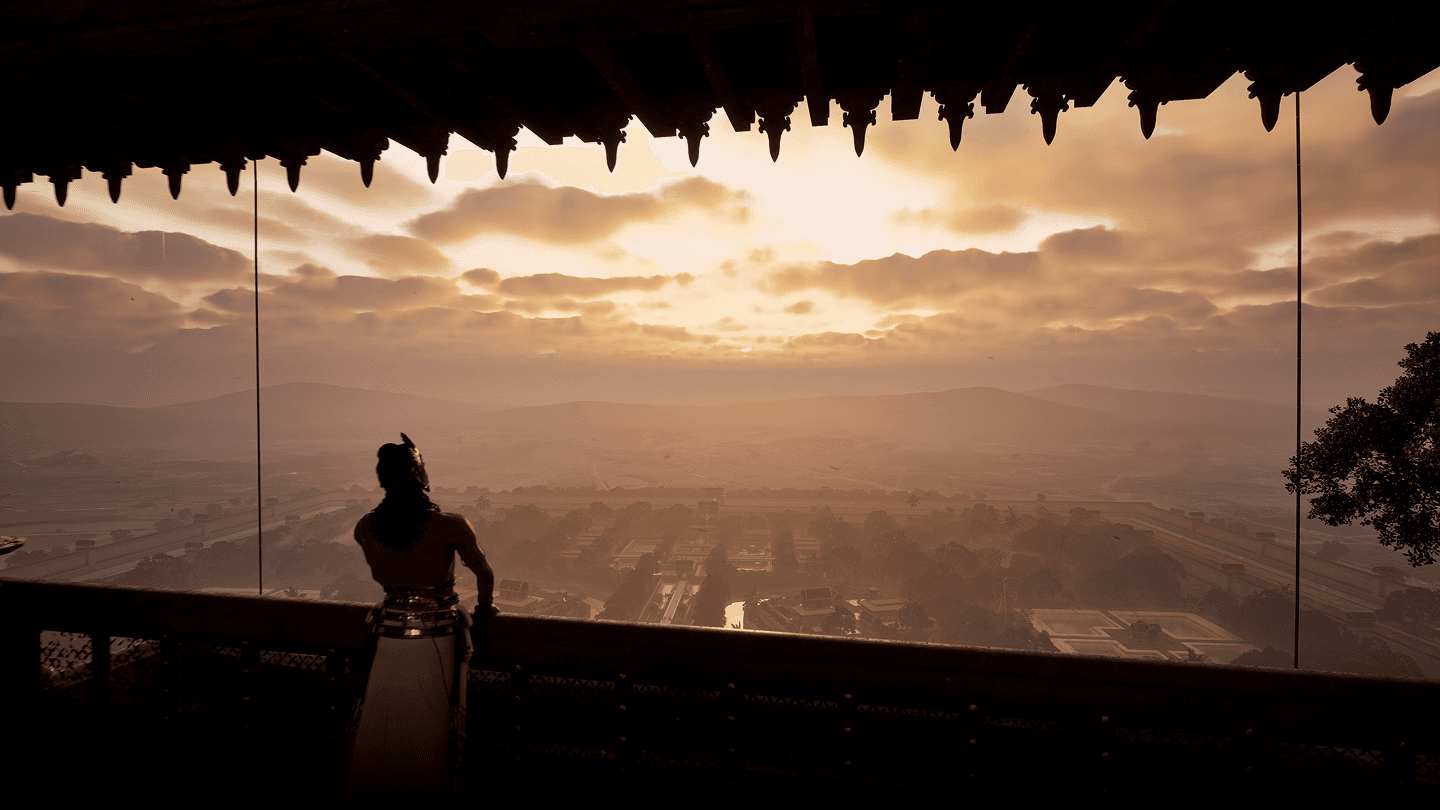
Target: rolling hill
x,y
317,414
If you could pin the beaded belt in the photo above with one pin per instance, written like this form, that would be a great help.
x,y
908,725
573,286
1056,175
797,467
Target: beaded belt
x,y
418,615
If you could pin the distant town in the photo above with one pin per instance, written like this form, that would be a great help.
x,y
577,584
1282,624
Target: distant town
x,y
1119,579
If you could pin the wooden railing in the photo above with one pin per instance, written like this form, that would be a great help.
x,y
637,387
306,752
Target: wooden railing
x,y
258,694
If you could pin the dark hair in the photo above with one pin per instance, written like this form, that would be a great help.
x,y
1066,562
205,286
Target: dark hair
x,y
401,517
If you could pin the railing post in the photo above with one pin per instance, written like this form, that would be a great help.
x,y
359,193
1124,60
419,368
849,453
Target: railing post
x,y
100,667
849,767
1247,749
623,694
249,677
340,710
1400,770
335,683
971,730
1102,743
730,738
20,662
520,686
169,677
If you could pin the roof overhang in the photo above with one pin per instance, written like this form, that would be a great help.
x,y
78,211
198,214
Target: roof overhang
x,y
108,87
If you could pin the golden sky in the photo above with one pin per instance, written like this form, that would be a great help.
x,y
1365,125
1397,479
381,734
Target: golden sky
x,y
1165,264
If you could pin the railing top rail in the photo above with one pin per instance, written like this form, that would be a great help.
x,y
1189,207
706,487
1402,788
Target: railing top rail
x,y
941,675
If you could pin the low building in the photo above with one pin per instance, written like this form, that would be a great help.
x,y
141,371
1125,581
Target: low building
x,y
514,596
876,612
1144,634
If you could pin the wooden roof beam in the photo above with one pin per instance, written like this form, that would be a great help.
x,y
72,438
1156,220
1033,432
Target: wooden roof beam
x,y
996,95
156,109
377,135
1151,87
543,128
1096,82
741,115
295,144
917,42
494,89
809,52
268,119
433,151
397,134
230,154
604,60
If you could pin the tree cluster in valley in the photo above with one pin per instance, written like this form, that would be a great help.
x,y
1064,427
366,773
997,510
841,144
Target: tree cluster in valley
x,y
1268,618
315,554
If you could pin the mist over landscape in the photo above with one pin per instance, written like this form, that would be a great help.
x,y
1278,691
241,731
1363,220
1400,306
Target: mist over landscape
x,y
973,499
1012,395
935,403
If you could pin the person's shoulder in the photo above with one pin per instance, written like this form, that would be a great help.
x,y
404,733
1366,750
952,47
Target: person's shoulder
x,y
452,520
362,526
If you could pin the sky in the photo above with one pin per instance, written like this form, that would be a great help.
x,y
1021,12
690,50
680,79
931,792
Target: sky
x,y
1104,258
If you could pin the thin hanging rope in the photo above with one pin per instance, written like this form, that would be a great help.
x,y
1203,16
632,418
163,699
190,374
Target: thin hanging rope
x,y
1299,248
259,481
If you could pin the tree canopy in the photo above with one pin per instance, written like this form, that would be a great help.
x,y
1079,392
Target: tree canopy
x,y
1380,462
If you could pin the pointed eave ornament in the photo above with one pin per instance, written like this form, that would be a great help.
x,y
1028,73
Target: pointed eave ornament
x,y
859,113
11,180
1049,106
1269,94
1381,93
955,107
1148,103
775,121
114,174
609,131
61,178
232,165
612,141
694,124
175,173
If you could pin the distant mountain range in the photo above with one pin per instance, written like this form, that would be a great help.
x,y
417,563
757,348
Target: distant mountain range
x,y
1175,407
314,413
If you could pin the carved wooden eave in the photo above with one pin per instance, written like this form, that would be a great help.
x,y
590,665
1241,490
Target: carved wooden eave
x,y
106,87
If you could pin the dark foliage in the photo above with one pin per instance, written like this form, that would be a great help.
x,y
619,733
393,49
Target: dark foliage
x,y
710,602
839,623
1414,606
1380,463
634,591
1268,617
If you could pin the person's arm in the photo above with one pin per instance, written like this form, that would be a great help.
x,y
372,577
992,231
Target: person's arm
x,y
474,559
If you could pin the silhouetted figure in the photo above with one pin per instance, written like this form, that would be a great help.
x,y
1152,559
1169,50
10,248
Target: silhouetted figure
x,y
412,724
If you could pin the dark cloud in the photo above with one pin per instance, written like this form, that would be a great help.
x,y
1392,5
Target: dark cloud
x,y
316,291
801,308
1100,277
114,312
398,254
48,242
568,215
997,218
826,341
1216,178
481,277
899,279
1342,271
1410,285
1421,253
555,285
537,306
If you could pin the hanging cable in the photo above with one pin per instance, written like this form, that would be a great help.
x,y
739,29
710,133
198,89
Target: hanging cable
x,y
1299,250
259,481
